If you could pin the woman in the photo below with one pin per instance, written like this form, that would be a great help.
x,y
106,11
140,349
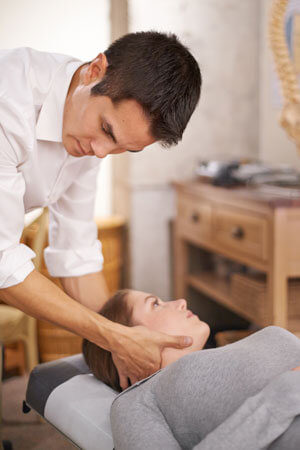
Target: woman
x,y
241,396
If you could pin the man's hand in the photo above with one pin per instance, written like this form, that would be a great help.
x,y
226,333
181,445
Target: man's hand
x,y
139,353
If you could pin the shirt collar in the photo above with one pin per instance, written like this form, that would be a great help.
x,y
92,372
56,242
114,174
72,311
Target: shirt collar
x,y
50,121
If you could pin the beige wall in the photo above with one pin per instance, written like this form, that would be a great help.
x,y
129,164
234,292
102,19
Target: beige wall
x,y
223,35
274,145
237,116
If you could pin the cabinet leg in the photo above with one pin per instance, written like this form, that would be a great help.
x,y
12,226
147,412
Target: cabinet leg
x,y
277,277
180,267
278,291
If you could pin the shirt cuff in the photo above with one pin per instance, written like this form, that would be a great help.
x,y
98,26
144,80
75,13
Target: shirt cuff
x,y
15,265
74,262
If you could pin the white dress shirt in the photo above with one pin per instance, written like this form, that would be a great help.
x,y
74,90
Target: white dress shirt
x,y
36,170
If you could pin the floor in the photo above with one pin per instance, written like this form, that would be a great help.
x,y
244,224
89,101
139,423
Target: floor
x,y
26,431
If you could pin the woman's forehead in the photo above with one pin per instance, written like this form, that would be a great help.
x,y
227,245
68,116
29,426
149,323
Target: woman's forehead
x,y
139,296
137,299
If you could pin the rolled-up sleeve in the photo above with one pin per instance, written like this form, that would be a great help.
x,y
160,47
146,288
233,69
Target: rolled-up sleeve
x,y
74,249
15,258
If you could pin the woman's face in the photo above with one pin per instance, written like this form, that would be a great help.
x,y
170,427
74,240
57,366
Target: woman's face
x,y
168,317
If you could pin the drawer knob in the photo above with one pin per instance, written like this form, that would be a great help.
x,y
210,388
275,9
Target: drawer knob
x,y
237,233
195,217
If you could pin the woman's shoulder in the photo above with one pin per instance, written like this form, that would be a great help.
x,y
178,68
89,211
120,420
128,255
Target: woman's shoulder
x,y
133,405
132,393
262,341
273,332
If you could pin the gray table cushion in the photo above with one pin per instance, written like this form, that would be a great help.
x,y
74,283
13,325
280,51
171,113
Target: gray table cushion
x,y
74,401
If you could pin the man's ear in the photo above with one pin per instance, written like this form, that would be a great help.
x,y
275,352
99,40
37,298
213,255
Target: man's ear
x,y
96,69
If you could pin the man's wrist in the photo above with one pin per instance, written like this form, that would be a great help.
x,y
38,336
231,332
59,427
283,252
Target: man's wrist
x,y
113,335
119,337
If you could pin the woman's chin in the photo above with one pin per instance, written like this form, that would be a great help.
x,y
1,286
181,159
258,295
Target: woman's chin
x,y
200,335
170,355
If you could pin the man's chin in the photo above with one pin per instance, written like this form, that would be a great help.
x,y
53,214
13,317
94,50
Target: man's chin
x,y
69,145
72,151
75,155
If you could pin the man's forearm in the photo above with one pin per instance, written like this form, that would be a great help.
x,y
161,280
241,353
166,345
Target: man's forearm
x,y
42,299
90,290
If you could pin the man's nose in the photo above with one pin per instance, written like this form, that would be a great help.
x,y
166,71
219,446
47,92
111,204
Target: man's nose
x,y
99,150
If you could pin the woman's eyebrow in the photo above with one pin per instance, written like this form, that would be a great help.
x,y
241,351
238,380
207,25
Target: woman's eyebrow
x,y
149,296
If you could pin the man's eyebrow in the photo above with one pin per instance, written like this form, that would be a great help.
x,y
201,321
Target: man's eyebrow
x,y
110,131
135,151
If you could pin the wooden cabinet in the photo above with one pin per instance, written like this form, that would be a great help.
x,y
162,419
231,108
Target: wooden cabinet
x,y
248,226
241,232
195,217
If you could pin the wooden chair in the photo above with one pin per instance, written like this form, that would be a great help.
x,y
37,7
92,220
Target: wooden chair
x,y
15,325
1,437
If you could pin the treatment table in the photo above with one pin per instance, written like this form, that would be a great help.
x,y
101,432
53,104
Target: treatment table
x,y
70,398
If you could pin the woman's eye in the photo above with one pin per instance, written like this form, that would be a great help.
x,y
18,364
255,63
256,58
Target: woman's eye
x,y
156,303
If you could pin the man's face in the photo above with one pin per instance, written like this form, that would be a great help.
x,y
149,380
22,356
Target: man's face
x,y
94,125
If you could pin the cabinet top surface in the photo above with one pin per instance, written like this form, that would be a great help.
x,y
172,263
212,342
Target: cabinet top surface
x,y
259,194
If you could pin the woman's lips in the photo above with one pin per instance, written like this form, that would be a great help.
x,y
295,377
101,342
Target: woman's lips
x,y
190,314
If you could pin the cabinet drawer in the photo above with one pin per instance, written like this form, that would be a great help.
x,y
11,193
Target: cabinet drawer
x,y
194,216
241,232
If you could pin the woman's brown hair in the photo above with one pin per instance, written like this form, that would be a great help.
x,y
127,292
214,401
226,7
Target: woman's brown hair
x,y
99,360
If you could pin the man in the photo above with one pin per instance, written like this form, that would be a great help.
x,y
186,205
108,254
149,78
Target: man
x,y
58,118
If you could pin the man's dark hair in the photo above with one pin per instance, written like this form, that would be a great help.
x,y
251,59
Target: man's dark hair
x,y
157,71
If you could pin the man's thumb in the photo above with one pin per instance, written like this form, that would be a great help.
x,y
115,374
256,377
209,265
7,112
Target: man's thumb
x,y
186,341
181,342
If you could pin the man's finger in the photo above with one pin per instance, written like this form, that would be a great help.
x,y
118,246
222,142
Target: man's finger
x,y
178,341
123,381
133,380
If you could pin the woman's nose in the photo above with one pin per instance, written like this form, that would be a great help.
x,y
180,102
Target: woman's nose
x,y
181,304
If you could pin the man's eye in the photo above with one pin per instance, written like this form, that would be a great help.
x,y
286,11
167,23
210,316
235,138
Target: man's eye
x,y
104,130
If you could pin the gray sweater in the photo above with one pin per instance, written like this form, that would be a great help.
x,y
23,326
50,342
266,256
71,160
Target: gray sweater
x,y
243,396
